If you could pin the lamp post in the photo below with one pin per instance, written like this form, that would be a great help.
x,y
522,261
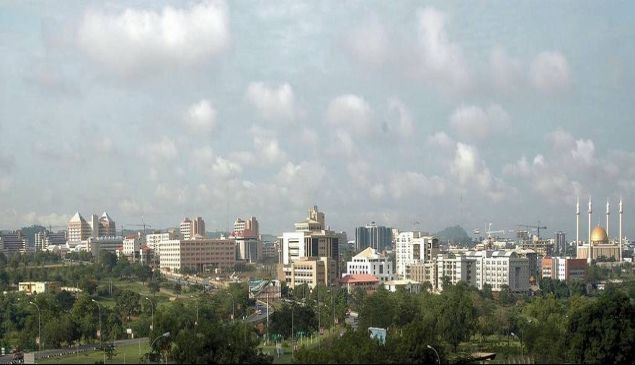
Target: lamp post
x,y
39,326
152,313
233,305
522,355
101,334
165,335
436,353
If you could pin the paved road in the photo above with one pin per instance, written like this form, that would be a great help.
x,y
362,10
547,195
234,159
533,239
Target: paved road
x,y
74,350
254,318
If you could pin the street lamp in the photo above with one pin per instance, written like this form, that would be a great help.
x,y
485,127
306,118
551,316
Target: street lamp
x,y
233,306
165,335
152,313
39,326
435,352
101,332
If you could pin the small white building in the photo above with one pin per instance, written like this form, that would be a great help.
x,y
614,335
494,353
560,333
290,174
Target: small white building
x,y
370,262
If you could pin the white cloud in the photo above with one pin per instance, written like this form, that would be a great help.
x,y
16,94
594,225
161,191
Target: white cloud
x,y
476,123
269,150
226,168
583,152
404,125
441,59
52,219
550,72
410,184
441,139
273,103
472,172
369,42
163,150
136,40
507,72
201,117
350,112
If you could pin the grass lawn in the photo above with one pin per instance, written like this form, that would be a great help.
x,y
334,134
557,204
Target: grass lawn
x,y
138,287
126,354
287,357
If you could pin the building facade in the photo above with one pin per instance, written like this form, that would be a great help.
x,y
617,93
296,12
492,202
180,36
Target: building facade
x,y
197,254
413,248
370,262
372,235
564,268
310,271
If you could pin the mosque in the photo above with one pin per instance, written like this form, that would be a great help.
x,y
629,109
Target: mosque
x,y
599,245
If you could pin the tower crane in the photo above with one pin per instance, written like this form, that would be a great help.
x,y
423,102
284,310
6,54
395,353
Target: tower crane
x,y
537,228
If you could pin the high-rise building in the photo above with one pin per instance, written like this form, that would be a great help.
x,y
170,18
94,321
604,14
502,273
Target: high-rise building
x,y
310,239
372,235
561,243
248,245
107,227
78,229
191,229
198,227
413,248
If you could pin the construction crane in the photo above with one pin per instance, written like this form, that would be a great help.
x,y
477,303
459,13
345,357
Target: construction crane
x,y
537,228
135,225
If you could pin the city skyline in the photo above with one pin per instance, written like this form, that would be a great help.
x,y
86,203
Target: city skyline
x,y
435,113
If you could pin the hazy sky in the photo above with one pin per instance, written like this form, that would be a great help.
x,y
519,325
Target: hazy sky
x,y
399,112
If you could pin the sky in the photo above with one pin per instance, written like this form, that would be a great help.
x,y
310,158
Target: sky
x,y
416,115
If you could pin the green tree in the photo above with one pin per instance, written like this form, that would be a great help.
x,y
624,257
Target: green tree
x,y
127,303
602,332
457,318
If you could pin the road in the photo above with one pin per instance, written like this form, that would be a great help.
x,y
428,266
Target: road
x,y
74,350
254,318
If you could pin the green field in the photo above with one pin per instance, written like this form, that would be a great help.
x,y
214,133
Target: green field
x,y
129,354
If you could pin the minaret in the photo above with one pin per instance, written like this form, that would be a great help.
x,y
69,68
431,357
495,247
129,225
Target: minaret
x,y
577,222
590,251
608,212
621,212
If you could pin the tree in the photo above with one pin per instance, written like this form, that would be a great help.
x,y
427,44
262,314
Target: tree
x,y
505,295
127,303
457,319
602,332
154,286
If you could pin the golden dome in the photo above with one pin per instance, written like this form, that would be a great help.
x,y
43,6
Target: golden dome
x,y
598,235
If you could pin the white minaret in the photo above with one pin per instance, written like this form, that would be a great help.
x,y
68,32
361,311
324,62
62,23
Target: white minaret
x,y
621,212
590,252
608,212
577,222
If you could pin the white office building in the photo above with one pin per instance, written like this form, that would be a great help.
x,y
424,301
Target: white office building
x,y
373,263
414,248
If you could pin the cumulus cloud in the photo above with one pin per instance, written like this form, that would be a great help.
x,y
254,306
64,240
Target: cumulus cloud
x,y
137,40
476,123
162,150
472,172
410,184
550,72
225,168
404,125
442,140
273,103
507,72
350,112
441,59
201,117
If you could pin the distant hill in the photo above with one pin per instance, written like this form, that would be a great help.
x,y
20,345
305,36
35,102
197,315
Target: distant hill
x,y
455,234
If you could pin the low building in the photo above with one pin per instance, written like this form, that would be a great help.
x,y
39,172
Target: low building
x,y
410,286
366,282
38,287
370,262
564,268
197,254
108,244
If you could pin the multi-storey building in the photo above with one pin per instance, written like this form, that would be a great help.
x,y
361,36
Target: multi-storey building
x,y
197,254
108,244
413,248
12,242
107,227
564,268
154,240
191,229
498,268
248,245
372,235
561,243
373,263
132,245
78,229
310,271
310,239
